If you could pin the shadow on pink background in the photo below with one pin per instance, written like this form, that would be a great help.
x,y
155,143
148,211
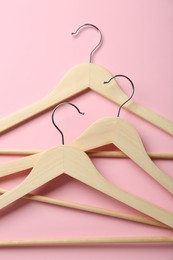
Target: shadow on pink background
x,y
36,49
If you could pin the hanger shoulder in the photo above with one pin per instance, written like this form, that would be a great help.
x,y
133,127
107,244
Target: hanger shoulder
x,y
100,133
47,167
150,116
129,142
18,165
124,136
75,81
98,75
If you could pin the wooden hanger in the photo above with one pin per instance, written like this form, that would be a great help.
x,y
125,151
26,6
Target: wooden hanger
x,y
75,81
76,163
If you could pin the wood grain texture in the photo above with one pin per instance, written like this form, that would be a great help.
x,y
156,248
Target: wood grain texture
x,y
75,81
76,163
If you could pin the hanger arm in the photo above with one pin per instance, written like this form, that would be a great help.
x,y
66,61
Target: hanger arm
x,y
150,116
24,114
128,140
74,81
30,111
75,163
18,165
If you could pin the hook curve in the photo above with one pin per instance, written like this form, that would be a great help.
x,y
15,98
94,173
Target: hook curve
x,y
133,90
53,121
100,41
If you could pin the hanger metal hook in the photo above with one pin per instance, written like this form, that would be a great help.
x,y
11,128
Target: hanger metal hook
x,y
133,90
53,121
100,41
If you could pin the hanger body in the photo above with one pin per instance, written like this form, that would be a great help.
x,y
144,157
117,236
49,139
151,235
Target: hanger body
x,y
75,81
105,131
30,161
76,163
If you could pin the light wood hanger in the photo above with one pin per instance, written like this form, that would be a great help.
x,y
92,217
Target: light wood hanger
x,y
77,80
75,163
19,164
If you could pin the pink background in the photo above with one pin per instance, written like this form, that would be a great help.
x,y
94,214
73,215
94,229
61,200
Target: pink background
x,y
36,49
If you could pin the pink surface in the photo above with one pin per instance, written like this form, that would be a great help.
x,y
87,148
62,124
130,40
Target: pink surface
x,y
36,49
